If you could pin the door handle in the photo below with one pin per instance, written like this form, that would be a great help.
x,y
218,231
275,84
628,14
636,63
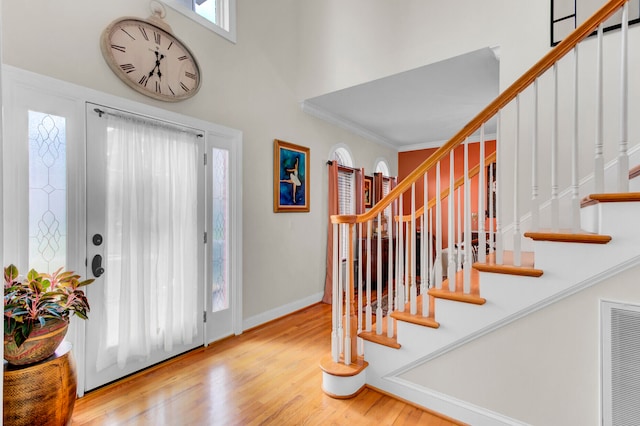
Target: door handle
x,y
96,266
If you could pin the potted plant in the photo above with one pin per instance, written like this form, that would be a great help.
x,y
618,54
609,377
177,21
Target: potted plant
x,y
37,309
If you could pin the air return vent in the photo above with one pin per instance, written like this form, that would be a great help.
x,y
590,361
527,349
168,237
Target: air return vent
x,y
620,364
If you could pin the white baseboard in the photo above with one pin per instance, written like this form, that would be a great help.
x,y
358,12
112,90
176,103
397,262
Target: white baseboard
x,y
448,405
280,311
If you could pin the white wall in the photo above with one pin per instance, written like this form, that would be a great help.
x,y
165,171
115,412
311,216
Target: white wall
x,y
250,86
543,369
347,43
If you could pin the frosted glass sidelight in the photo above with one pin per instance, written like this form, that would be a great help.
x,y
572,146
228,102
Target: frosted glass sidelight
x,y
47,192
220,229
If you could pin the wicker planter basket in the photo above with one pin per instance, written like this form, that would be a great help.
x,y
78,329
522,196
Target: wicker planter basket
x,y
41,343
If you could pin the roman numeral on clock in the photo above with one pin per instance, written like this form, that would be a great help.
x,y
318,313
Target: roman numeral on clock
x,y
127,33
119,48
182,58
144,33
144,80
185,88
190,75
156,37
128,68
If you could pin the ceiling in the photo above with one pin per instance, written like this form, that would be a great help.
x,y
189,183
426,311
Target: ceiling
x,y
420,108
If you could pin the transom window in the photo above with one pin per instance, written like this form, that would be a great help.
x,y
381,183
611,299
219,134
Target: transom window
x,y
217,15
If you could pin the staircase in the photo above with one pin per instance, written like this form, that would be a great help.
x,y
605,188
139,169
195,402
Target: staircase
x,y
436,307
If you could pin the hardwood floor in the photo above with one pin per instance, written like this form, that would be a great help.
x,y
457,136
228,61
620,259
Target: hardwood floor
x,y
267,376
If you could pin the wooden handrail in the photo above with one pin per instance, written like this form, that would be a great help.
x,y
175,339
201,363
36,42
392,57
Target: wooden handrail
x,y
458,183
547,61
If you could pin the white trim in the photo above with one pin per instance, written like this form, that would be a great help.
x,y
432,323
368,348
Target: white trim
x,y
448,405
336,147
229,34
15,80
281,311
2,179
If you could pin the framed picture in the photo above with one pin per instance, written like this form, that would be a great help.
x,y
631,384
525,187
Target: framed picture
x,y
368,192
290,177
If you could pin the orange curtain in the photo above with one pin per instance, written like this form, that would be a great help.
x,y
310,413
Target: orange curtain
x,y
333,209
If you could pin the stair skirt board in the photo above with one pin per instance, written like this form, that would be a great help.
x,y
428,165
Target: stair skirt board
x,y
391,382
569,268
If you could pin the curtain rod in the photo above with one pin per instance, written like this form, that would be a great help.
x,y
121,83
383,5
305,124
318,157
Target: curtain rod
x,y
124,114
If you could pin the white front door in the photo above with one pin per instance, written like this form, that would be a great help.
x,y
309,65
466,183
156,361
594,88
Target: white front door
x,y
145,243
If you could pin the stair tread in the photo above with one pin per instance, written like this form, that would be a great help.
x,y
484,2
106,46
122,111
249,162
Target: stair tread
x,y
567,236
381,339
418,318
526,267
459,295
616,197
340,369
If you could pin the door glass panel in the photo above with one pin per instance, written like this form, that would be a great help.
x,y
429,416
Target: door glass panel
x,y
47,192
219,229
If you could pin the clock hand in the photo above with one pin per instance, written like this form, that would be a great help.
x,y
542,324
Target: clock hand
x,y
158,65
159,57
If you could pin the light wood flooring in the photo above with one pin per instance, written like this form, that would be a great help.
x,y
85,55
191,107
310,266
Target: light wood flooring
x,y
267,376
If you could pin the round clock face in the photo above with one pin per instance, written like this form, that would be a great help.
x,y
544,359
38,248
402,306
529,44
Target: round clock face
x,y
150,60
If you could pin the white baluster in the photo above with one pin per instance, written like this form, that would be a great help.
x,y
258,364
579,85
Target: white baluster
x,y
467,222
432,252
575,184
516,193
347,302
335,300
379,278
379,271
480,215
390,291
368,310
425,239
535,201
359,287
555,201
492,228
623,155
413,291
459,215
438,266
341,300
497,205
400,264
451,255
598,173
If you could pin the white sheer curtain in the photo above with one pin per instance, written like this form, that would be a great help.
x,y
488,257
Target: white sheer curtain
x,y
152,242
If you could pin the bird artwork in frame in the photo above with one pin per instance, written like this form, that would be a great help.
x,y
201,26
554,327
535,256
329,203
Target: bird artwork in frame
x,y
290,177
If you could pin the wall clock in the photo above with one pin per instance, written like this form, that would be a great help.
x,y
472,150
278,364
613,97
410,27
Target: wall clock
x,y
150,59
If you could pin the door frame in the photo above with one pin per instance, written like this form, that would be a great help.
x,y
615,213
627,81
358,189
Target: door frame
x,y
20,86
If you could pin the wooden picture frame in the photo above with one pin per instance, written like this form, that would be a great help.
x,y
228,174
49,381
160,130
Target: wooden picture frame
x,y
291,179
368,190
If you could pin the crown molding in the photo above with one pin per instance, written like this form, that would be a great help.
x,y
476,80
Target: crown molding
x,y
349,125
